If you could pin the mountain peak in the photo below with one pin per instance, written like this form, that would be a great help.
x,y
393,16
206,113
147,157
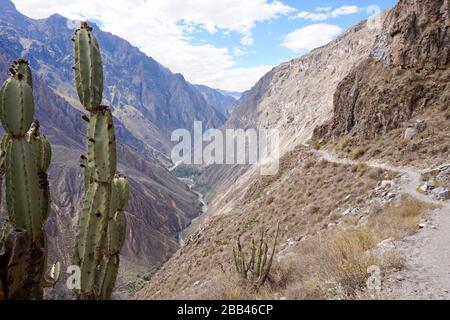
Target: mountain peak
x,y
7,3
7,6
8,11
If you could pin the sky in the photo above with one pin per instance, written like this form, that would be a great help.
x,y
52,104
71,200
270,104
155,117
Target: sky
x,y
225,44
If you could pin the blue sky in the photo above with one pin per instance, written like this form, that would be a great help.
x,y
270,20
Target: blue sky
x,y
268,35
226,44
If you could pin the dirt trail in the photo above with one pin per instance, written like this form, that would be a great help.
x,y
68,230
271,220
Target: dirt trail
x,y
427,253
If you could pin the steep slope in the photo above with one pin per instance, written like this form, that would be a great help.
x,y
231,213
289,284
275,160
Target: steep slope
x,y
398,98
222,101
294,97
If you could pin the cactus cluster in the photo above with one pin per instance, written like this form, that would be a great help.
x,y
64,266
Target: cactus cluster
x,y
102,221
25,158
256,270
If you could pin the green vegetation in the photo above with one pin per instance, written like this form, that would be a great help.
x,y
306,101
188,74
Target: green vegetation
x,y
24,161
102,223
256,270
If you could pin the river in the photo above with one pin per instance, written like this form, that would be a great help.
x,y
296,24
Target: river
x,y
190,183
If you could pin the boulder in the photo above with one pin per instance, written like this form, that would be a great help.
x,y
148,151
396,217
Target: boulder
x,y
426,187
420,125
387,184
410,133
441,193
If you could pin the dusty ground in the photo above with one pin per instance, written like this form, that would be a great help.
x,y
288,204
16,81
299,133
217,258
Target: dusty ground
x,y
426,272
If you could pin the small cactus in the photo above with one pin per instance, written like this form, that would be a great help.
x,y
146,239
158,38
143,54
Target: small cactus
x,y
255,270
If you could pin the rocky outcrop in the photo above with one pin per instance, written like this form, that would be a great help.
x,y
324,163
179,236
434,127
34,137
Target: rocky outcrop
x,y
407,71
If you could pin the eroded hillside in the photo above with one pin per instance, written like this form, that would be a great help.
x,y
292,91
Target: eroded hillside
x,y
373,176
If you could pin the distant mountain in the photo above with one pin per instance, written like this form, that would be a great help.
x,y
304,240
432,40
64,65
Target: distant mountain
x,y
222,100
148,102
234,94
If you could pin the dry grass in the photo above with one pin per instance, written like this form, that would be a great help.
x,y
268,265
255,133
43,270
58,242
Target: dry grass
x,y
358,153
328,263
397,221
337,263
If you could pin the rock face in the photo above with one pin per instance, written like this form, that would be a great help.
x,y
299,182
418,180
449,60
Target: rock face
x,y
406,72
294,98
221,101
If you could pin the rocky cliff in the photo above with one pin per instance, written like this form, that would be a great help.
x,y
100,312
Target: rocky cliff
x,y
406,72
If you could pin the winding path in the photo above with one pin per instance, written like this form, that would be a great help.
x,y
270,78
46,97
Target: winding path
x,y
426,253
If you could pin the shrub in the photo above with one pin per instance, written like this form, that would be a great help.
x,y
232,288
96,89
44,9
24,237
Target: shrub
x,y
358,153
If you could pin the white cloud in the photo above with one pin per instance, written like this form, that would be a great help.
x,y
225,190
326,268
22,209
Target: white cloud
x,y
238,52
310,37
247,40
312,16
345,10
163,29
326,8
326,13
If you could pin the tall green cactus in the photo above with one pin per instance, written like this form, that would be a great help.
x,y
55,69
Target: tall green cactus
x,y
27,196
102,221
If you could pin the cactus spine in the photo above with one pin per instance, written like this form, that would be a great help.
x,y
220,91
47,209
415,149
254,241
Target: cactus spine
x,y
102,221
27,199
258,267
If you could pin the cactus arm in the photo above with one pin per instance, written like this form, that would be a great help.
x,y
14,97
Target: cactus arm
x,y
94,228
115,236
52,277
22,188
104,145
3,146
88,68
252,259
25,245
269,264
259,254
16,106
21,66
